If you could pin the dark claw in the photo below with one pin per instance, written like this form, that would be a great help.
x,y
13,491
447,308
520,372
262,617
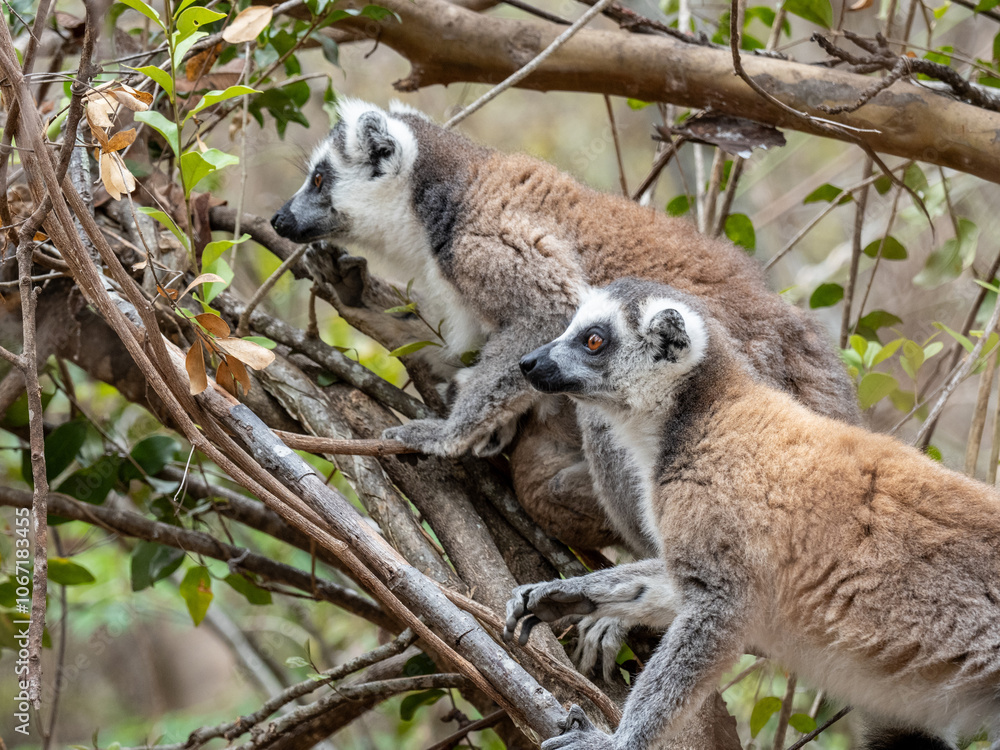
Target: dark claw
x,y
526,628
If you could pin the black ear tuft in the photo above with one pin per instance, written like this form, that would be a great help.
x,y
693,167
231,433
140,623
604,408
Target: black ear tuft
x,y
375,141
668,333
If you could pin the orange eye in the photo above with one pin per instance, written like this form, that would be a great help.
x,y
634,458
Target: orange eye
x,y
595,342
317,179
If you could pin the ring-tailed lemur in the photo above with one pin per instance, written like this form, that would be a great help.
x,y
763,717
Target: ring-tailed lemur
x,y
856,561
499,246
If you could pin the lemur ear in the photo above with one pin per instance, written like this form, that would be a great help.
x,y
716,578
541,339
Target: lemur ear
x,y
668,334
377,145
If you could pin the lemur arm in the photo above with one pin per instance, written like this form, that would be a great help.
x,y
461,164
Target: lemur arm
x,y
611,602
360,298
490,397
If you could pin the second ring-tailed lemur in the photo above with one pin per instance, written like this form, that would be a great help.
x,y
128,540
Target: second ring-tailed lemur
x,y
856,561
500,246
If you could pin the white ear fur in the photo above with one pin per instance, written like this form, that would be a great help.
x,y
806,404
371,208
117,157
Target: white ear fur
x,y
352,110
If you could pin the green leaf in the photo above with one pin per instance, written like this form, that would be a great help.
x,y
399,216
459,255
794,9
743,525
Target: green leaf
x,y
934,453
879,319
990,287
826,295
147,11
93,483
407,308
740,230
828,193
882,184
163,126
912,358
68,573
963,340
167,222
214,97
640,104
416,346
764,710
193,19
152,455
679,206
414,701
151,562
253,593
196,589
818,11
213,250
196,166
161,77
953,257
181,46
262,341
181,7
297,662
932,349
802,723
887,351
61,447
211,289
874,387
420,664
892,249
914,179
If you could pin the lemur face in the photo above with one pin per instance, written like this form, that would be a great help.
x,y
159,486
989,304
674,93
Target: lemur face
x,y
358,179
628,344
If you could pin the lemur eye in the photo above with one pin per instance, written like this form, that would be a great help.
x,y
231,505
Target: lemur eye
x,y
595,342
317,179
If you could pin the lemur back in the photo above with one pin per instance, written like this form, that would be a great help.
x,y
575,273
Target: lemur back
x,y
501,246
852,559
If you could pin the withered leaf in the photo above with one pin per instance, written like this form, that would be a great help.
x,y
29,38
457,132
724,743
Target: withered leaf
x,y
240,373
213,324
224,377
862,4
120,140
165,292
96,116
248,24
254,355
201,63
734,135
201,279
100,109
40,237
115,175
194,363
134,99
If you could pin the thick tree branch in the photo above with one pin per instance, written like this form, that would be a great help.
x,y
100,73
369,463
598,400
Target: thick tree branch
x,y
653,68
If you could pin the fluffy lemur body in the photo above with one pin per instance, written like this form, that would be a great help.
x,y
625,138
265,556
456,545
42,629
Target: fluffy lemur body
x,y
851,558
500,246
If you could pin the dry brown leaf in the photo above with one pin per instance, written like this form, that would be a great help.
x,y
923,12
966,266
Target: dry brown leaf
x,y
240,373
202,279
201,63
40,237
94,119
224,377
168,293
248,24
213,324
140,265
862,4
137,101
115,175
194,363
120,140
254,355
100,109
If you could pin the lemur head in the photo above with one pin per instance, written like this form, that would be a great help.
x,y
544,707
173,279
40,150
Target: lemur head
x,y
357,176
629,345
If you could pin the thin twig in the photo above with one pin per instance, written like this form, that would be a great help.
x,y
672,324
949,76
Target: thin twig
x,y
960,374
806,738
745,673
336,447
618,146
484,723
528,69
856,246
991,472
658,166
786,711
979,416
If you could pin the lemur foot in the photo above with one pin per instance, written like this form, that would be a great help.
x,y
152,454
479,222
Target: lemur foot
x,y
578,733
331,265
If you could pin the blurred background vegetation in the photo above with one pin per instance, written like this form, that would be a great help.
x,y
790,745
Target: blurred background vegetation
x,y
135,668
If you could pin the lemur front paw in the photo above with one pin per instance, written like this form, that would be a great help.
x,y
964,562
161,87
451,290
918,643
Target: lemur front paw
x,y
346,274
578,733
545,602
429,436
